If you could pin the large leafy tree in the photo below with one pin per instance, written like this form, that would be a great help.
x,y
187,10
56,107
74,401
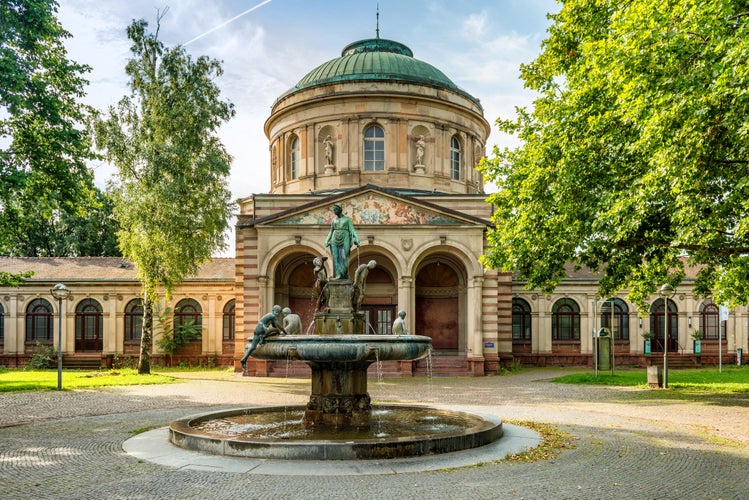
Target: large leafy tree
x,y
635,153
44,145
172,199
90,233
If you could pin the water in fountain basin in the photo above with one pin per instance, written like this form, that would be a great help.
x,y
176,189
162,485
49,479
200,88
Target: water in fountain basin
x,y
388,422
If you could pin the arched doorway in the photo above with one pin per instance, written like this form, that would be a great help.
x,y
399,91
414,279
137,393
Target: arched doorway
x,y
437,313
294,281
658,327
381,296
88,326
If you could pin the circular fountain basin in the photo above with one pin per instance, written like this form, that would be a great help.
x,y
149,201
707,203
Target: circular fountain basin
x,y
344,348
279,433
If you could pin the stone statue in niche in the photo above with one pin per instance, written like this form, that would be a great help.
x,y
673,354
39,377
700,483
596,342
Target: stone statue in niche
x,y
328,148
420,146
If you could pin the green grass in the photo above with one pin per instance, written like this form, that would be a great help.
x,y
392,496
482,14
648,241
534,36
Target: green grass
x,y
733,379
13,380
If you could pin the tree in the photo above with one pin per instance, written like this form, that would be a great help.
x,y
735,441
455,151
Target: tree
x,y
172,200
90,233
44,144
174,335
635,153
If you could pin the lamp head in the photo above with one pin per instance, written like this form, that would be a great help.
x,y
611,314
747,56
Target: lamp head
x,y
60,291
667,291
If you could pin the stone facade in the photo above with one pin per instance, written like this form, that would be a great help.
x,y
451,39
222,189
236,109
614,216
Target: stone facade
x,y
95,316
427,264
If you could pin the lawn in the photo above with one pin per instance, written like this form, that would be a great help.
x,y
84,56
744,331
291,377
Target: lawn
x,y
12,380
732,380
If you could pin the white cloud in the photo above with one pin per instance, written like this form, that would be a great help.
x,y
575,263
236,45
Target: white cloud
x,y
475,24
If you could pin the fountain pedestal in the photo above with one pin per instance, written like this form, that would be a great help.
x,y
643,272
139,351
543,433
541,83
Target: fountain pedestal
x,y
340,318
339,396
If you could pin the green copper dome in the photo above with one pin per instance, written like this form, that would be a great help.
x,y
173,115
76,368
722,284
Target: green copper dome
x,y
378,59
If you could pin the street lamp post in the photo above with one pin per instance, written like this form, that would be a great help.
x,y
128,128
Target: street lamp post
x,y
60,292
667,291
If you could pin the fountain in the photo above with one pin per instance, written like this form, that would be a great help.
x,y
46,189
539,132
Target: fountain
x,y
339,421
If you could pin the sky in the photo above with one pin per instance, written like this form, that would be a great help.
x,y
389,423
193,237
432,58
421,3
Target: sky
x,y
478,44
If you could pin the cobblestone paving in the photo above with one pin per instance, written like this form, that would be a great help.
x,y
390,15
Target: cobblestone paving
x,y
629,445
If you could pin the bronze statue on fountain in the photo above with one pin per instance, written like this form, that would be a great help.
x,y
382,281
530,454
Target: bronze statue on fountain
x,y
340,351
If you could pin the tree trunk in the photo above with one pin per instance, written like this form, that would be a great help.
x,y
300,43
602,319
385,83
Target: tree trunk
x,y
146,339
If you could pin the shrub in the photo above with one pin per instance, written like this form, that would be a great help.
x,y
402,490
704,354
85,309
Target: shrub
x,y
44,357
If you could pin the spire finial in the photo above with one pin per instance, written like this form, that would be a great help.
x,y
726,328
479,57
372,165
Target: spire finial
x,y
377,31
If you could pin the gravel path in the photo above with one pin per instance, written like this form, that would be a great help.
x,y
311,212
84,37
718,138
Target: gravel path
x,y
629,443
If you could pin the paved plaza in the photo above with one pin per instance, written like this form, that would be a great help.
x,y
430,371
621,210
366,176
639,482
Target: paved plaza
x,y
70,444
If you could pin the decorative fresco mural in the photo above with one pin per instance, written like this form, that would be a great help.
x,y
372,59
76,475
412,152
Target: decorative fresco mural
x,y
369,209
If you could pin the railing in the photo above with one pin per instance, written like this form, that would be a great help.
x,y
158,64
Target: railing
x,y
657,345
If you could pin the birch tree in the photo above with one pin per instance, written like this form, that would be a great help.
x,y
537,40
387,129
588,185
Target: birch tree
x,y
172,200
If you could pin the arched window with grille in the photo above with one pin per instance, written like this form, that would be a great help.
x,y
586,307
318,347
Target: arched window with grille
x,y
39,322
565,320
374,148
455,158
710,320
294,157
188,312
521,320
229,320
620,330
88,326
133,321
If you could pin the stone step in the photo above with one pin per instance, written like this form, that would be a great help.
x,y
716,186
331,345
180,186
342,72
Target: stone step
x,y
81,362
677,361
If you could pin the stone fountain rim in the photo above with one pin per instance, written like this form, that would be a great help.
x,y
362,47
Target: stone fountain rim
x,y
488,430
346,348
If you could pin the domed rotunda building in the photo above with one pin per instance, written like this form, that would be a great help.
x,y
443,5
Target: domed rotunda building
x,y
395,142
